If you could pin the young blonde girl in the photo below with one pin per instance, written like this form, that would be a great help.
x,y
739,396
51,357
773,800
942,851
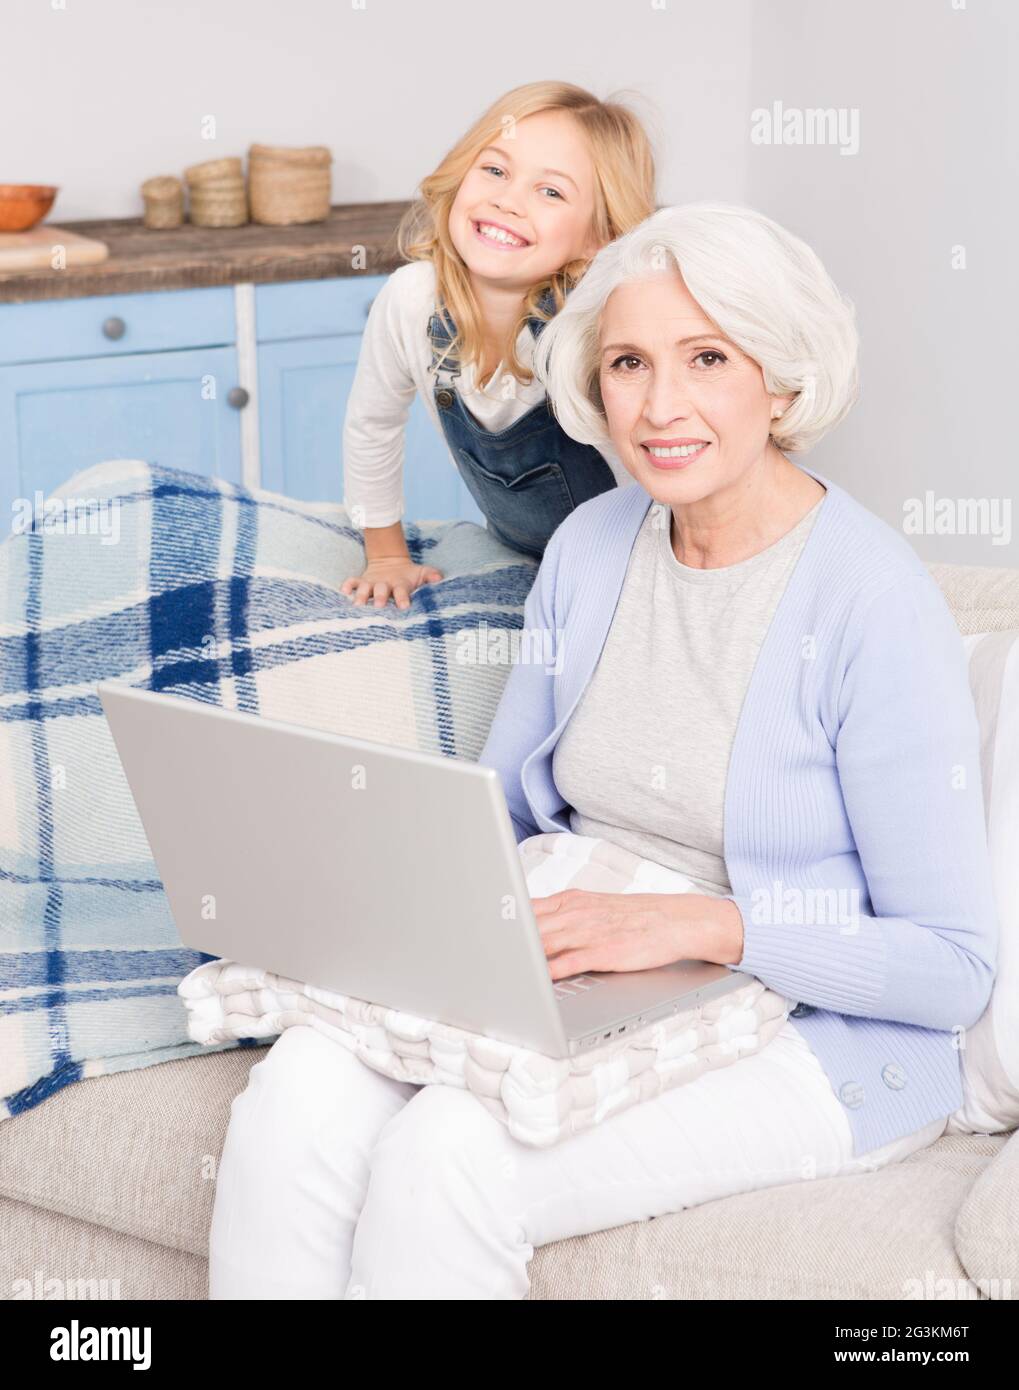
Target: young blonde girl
x,y
504,228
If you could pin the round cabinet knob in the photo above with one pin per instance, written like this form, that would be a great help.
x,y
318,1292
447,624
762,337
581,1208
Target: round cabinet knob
x,y
114,328
237,397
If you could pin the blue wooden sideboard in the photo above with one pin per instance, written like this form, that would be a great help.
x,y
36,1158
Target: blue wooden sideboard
x,y
246,382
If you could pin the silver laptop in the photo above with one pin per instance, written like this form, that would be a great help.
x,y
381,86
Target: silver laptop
x,y
370,871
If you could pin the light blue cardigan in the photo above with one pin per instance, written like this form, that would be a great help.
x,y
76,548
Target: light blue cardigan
x,y
855,767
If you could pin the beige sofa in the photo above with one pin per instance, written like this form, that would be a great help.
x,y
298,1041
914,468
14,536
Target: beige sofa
x,y
108,1185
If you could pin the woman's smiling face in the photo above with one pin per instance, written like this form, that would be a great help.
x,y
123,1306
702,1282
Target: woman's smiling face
x,y
525,208
687,411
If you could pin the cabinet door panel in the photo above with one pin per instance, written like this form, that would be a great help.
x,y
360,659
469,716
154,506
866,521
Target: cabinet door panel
x,y
114,325
314,308
169,408
303,391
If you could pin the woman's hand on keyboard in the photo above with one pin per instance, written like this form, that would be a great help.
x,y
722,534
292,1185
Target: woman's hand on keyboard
x,y
583,931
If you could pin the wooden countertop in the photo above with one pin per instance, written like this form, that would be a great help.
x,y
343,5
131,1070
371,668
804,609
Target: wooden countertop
x,y
143,259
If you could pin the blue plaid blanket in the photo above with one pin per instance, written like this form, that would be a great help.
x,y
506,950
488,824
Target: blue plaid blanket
x,y
170,581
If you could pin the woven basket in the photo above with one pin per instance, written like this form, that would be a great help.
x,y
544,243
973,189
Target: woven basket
x,y
289,186
163,197
212,169
222,205
217,194
317,156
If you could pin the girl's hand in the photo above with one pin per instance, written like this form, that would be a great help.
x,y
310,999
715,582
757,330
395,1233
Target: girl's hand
x,y
397,576
584,931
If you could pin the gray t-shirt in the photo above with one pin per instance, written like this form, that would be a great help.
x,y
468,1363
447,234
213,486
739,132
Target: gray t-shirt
x,y
644,757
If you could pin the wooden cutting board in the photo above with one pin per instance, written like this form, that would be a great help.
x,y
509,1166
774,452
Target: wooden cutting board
x,y
35,250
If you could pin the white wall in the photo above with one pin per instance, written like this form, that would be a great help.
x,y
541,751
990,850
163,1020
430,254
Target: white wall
x,y
101,94
119,88
936,169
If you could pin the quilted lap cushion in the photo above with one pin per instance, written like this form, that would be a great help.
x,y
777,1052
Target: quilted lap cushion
x,y
206,590
540,1099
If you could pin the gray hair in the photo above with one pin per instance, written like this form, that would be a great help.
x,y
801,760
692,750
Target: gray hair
x,y
763,287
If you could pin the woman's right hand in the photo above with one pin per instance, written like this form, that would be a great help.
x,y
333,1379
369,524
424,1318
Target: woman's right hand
x,y
394,576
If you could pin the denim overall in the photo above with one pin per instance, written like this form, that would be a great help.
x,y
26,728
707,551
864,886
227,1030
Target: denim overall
x,y
526,479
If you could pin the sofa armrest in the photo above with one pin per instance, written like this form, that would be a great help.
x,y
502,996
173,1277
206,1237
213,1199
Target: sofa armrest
x,y
987,1226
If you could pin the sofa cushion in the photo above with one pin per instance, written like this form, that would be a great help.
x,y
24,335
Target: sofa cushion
x,y
987,1226
983,598
44,1255
881,1235
985,604
136,1154
990,1057
136,1151
786,1243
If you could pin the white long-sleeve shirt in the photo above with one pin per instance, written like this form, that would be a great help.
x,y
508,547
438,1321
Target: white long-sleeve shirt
x,y
393,364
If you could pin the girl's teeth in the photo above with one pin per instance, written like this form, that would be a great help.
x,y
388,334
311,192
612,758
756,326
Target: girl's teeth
x,y
497,234
677,451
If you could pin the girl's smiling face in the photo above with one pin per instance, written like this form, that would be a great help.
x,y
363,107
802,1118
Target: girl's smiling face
x,y
687,411
526,206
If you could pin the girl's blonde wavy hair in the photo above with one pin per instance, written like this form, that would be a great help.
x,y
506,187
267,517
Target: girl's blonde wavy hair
x,y
624,196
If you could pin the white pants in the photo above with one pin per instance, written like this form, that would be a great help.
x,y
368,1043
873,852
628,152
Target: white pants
x,y
338,1182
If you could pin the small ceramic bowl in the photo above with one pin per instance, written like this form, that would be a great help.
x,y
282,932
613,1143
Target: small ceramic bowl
x,y
22,205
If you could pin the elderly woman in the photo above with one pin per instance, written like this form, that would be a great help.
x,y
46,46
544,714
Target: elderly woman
x,y
760,686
